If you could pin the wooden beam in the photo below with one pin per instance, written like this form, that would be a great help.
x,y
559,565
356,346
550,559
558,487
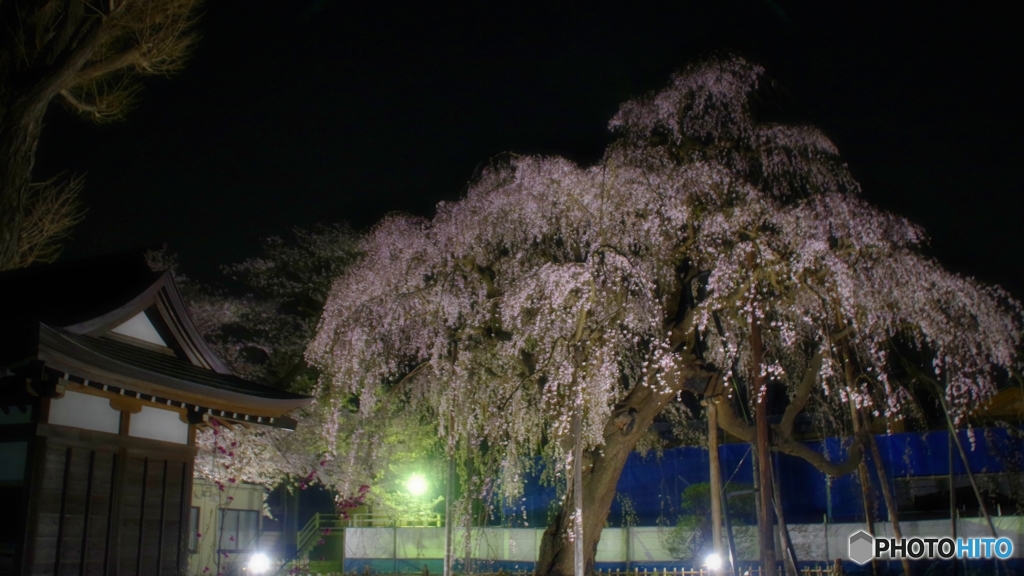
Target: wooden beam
x,y
716,480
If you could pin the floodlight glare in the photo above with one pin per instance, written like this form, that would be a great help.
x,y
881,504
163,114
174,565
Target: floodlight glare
x,y
713,561
416,485
259,563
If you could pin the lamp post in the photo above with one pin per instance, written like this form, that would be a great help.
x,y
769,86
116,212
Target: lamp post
x,y
417,486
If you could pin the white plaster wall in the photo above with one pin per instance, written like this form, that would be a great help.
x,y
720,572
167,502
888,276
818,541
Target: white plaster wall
x,y
140,327
84,411
158,424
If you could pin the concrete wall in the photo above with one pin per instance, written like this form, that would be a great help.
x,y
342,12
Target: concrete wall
x,y
211,500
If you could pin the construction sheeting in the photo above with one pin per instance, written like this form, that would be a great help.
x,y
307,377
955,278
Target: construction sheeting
x,y
649,498
650,488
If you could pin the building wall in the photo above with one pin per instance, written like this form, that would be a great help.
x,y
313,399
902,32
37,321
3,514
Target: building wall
x,y
207,558
103,503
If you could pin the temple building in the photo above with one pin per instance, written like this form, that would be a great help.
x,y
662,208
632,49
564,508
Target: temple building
x,y
104,380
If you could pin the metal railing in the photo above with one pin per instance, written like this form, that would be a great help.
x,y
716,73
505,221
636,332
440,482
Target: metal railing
x,y
318,526
385,520
321,525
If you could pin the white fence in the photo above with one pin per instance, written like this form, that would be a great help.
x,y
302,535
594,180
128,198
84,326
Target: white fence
x,y
812,542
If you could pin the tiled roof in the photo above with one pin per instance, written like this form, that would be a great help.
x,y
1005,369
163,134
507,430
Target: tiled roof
x,y
174,367
147,371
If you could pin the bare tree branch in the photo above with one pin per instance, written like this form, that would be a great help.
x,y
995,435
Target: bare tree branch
x,y
88,54
53,209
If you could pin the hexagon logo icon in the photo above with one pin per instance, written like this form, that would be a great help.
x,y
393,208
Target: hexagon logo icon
x,y
861,545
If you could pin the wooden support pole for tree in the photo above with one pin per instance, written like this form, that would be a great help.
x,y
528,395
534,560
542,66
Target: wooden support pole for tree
x,y
789,557
967,467
864,476
759,394
467,563
952,501
728,531
890,502
716,480
449,493
577,490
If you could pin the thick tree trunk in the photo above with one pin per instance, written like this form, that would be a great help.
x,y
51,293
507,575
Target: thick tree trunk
x,y
601,471
556,554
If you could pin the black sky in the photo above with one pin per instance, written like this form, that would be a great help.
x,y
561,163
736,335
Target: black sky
x,y
290,114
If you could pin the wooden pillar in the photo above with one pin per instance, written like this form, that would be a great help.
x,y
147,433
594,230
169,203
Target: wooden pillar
x,y
789,553
890,502
759,393
865,479
952,501
716,479
577,489
449,493
967,468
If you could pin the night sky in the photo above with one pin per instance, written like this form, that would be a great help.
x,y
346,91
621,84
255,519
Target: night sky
x,y
293,113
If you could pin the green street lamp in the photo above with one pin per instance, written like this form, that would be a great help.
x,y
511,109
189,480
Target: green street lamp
x,y
416,485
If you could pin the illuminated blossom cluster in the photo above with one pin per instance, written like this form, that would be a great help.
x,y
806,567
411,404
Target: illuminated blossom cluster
x,y
553,289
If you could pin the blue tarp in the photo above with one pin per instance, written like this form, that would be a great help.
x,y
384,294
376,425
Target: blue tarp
x,y
652,485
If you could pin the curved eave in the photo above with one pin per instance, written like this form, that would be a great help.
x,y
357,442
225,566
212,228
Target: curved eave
x,y
163,294
64,354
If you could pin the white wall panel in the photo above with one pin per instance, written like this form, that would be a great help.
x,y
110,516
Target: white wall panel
x,y
158,424
140,327
85,411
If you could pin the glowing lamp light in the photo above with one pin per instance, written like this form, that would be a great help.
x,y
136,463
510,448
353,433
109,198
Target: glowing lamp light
x,y
259,563
713,562
416,485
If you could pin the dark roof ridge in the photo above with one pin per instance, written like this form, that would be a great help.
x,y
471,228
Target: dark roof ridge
x,y
124,365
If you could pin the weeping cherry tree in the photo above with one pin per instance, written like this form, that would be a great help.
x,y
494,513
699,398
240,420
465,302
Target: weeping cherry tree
x,y
706,253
